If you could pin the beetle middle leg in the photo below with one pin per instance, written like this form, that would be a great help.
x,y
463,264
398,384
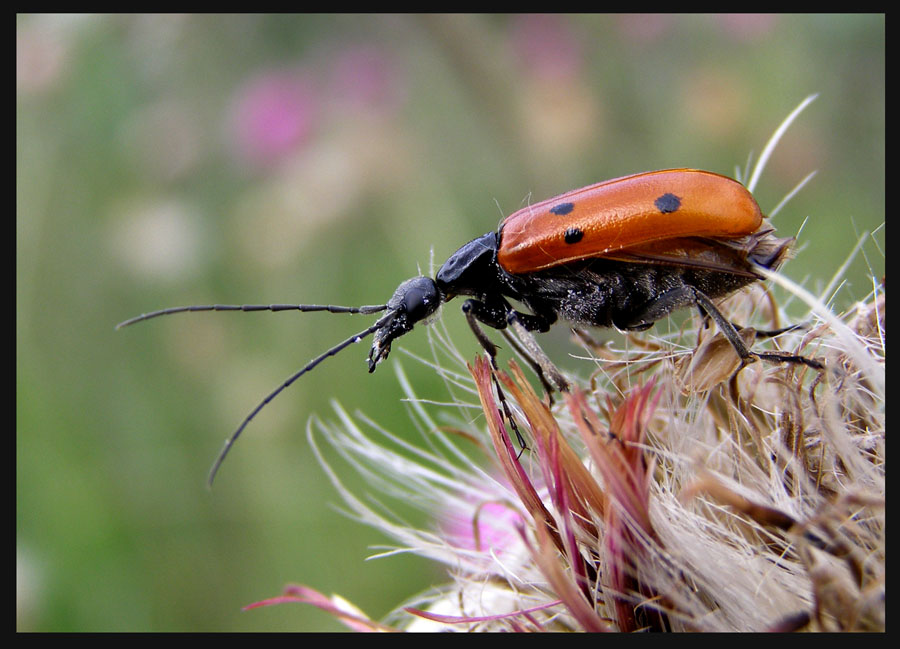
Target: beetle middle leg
x,y
536,357
523,353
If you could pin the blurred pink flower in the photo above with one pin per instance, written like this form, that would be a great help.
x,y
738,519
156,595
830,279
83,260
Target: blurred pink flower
x,y
273,115
364,76
546,45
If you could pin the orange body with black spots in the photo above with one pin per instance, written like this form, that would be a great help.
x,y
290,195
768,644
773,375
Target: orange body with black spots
x,y
614,215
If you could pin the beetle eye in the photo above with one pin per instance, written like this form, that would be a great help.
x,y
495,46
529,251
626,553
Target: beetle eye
x,y
417,299
415,306
420,303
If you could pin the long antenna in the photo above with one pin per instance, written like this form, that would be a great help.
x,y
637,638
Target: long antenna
x,y
375,308
331,352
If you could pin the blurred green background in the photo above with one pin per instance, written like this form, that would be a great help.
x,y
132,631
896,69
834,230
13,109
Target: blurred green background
x,y
169,160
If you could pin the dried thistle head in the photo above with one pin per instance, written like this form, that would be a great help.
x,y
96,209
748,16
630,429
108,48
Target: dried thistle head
x,y
664,492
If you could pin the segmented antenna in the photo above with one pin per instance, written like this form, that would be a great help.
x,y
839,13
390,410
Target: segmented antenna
x,y
331,308
331,352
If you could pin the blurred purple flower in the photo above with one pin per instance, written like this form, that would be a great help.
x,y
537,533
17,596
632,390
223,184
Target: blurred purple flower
x,y
546,45
364,76
273,115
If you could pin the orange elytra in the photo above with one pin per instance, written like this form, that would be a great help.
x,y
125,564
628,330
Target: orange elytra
x,y
600,219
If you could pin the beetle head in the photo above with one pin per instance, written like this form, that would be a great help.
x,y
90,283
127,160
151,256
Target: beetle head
x,y
415,300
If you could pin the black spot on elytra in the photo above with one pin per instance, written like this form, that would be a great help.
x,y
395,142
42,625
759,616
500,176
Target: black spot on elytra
x,y
562,209
667,203
573,235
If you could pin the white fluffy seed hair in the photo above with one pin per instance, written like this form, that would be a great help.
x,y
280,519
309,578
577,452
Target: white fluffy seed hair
x,y
766,497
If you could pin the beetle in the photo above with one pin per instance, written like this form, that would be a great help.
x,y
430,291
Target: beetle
x,y
621,253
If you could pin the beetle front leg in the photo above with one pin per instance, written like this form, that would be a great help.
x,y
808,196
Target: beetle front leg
x,y
499,316
495,317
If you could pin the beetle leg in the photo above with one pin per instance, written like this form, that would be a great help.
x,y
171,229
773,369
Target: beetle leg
x,y
536,357
536,322
529,349
771,333
498,315
707,308
685,295
706,305
475,311
682,296
492,314
657,309
523,353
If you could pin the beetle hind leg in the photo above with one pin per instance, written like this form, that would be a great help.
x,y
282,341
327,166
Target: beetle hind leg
x,y
685,295
728,329
771,333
